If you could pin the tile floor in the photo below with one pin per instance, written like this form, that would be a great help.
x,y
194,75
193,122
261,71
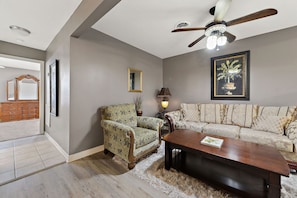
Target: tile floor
x,y
22,157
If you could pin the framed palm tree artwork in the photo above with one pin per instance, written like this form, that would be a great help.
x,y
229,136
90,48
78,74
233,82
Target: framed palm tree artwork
x,y
230,76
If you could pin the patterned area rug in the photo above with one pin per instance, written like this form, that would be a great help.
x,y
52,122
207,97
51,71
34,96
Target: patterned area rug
x,y
177,184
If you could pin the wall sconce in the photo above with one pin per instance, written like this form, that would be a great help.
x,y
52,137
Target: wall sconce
x,y
165,94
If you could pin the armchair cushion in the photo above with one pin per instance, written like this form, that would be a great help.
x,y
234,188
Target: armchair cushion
x,y
144,136
125,114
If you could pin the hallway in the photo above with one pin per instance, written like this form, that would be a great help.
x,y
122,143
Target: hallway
x,y
25,156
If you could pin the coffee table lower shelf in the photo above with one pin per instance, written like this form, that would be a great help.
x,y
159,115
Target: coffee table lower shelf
x,y
235,179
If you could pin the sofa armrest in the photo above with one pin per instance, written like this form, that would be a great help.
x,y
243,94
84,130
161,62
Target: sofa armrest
x,y
149,123
172,117
291,132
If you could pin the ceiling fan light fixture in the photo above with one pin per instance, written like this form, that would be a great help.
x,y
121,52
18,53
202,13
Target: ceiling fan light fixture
x,y
215,28
222,40
211,42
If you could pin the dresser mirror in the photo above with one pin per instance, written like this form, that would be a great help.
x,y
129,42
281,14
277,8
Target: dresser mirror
x,y
10,90
24,87
134,80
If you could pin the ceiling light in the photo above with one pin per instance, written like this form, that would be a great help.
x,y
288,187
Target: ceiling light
x,y
20,30
2,67
222,40
211,42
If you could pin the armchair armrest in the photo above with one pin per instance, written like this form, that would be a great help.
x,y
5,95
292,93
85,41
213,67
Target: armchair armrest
x,y
291,132
123,132
149,123
172,117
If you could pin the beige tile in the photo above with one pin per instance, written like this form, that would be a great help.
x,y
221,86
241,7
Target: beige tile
x,y
6,150
54,161
47,149
27,162
22,156
7,160
20,151
20,172
6,177
52,154
5,167
6,155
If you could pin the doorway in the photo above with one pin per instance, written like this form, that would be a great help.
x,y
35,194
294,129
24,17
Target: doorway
x,y
14,126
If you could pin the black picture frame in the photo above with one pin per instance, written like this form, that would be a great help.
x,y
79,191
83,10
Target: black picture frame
x,y
230,76
54,87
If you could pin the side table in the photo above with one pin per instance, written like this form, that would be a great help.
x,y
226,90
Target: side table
x,y
165,127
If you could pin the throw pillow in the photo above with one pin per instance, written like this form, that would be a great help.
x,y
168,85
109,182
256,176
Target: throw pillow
x,y
240,114
212,113
275,124
188,111
191,115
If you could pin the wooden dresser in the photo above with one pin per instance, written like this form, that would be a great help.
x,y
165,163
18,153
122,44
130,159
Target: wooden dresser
x,y
19,110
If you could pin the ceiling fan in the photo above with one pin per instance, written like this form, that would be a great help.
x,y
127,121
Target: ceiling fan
x,y
216,31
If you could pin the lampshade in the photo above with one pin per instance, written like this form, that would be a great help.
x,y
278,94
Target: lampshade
x,y
164,92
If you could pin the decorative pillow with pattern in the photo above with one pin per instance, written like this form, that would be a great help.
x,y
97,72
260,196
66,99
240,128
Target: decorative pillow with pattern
x,y
191,115
190,112
289,111
275,124
241,115
212,113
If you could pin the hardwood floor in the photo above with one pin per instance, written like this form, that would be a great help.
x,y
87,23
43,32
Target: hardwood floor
x,y
94,176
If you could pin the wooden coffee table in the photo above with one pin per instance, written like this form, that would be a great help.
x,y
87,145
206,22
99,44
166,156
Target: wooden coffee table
x,y
243,168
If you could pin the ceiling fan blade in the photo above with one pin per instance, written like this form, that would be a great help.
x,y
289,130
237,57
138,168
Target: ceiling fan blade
x,y
196,41
230,37
187,29
253,16
221,9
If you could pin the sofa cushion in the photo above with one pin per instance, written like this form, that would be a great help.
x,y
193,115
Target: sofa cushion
x,y
274,124
240,114
212,113
124,113
289,111
190,112
222,130
280,142
144,136
195,126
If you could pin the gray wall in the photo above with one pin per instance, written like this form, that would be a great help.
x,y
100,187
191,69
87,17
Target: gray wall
x,y
9,74
21,51
273,69
99,76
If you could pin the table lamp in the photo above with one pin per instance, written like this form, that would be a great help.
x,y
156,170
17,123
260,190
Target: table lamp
x,y
165,94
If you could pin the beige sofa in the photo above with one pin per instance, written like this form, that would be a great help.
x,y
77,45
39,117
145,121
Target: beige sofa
x,y
269,125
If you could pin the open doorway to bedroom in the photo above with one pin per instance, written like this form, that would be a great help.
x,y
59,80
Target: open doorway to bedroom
x,y
21,97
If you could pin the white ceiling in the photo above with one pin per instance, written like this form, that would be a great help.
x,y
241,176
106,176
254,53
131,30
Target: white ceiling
x,y
43,18
144,24
147,25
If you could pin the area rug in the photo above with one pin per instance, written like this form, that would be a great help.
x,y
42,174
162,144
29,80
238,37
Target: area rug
x,y
176,184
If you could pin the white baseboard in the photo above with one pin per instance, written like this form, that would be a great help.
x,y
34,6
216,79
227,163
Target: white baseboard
x,y
76,156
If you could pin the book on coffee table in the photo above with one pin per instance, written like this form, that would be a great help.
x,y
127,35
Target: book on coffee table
x,y
211,141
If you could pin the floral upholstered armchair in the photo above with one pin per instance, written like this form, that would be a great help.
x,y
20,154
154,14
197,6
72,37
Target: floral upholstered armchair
x,y
127,135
